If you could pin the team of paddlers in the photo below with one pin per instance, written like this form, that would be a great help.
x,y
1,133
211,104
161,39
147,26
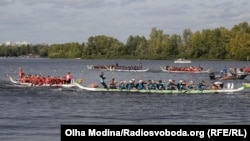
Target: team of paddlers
x,y
41,80
188,69
160,85
117,66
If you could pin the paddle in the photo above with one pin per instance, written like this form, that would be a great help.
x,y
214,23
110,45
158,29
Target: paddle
x,y
185,91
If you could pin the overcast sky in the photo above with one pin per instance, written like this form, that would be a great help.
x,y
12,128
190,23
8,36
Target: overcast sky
x,y
61,21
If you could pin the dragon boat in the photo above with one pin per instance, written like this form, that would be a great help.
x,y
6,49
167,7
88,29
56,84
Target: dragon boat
x,y
184,71
242,75
119,69
205,91
71,85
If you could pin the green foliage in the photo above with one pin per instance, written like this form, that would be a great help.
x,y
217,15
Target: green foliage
x,y
136,46
218,43
155,44
67,50
15,51
102,47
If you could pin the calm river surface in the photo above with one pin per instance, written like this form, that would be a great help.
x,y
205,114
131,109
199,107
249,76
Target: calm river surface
x,y
35,114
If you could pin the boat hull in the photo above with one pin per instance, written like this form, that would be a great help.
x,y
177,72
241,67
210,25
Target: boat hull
x,y
118,70
182,61
212,76
39,85
198,72
229,90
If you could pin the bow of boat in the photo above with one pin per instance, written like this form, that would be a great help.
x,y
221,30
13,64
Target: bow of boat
x,y
83,87
12,80
230,90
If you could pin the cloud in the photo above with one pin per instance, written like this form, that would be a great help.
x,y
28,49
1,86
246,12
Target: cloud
x,y
65,20
130,2
6,2
67,3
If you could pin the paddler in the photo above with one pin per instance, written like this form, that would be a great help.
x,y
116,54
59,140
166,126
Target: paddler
x,y
151,85
140,85
191,85
160,85
112,84
20,73
171,84
201,85
101,79
122,84
68,78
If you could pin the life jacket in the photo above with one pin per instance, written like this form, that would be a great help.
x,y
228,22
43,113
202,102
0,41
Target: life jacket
x,y
122,86
151,86
139,86
101,79
200,86
190,86
130,86
178,86
160,86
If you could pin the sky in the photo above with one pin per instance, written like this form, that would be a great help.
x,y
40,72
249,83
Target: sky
x,y
63,21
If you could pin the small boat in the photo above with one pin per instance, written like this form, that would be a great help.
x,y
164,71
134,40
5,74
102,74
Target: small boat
x,y
246,85
41,85
184,71
212,76
182,60
224,90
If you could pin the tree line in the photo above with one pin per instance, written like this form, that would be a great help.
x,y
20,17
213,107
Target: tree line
x,y
218,43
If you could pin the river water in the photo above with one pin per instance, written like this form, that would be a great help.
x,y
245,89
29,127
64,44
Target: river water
x,y
35,113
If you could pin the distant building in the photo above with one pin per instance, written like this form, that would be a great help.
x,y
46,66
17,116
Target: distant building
x,y
8,43
17,43
24,43
30,56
